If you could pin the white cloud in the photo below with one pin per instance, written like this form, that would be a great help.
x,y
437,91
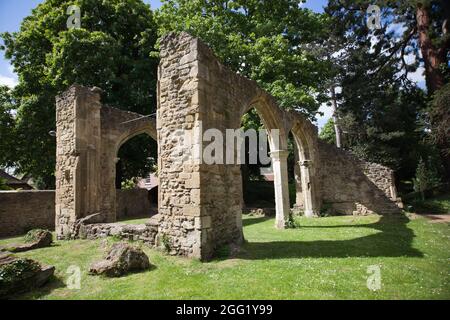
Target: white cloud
x,y
417,76
8,81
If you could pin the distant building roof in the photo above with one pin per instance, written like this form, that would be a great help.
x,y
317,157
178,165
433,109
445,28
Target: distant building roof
x,y
13,182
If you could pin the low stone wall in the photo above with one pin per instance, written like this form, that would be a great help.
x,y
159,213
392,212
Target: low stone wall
x,y
147,233
133,203
352,186
21,211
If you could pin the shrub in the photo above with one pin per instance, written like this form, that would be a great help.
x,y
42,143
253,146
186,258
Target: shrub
x,y
426,178
16,270
165,241
292,223
3,185
34,235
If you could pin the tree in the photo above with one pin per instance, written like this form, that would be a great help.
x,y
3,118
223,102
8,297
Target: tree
x,y
112,50
6,126
382,113
426,178
3,185
410,29
328,133
267,41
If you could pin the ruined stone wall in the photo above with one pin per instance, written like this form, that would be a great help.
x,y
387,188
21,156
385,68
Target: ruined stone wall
x,y
134,203
196,91
117,127
224,96
21,211
89,136
78,151
353,186
66,161
180,181
199,203
133,232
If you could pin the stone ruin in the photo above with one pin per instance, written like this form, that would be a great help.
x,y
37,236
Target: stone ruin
x,y
200,205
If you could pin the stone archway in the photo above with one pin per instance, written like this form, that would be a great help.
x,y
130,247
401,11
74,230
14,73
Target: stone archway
x,y
273,119
88,138
200,205
306,147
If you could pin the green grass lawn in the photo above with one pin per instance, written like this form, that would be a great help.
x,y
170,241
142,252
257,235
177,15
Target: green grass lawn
x,y
135,221
325,258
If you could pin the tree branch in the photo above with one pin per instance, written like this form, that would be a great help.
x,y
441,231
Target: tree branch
x,y
400,46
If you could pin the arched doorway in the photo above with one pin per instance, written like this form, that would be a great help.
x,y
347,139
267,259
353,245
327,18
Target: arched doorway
x,y
273,122
135,178
256,171
307,197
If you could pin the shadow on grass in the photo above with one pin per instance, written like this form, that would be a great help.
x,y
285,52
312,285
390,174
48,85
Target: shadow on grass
x,y
53,283
393,240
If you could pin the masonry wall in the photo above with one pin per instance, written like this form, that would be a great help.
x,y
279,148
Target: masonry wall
x,y
21,211
352,186
133,203
78,158
223,96
178,109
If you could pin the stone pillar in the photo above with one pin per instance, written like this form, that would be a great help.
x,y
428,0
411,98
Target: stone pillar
x,y
78,144
299,198
308,188
280,172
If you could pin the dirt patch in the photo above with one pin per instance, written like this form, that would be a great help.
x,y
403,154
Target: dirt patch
x,y
437,218
433,218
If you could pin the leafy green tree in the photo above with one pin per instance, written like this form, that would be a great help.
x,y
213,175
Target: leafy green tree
x,y
267,41
426,177
112,50
6,126
3,185
328,133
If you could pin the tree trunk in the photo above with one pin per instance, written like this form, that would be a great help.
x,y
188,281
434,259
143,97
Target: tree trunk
x,y
337,129
433,57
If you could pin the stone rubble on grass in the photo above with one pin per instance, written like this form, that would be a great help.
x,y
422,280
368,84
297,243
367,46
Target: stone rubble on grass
x,y
34,239
132,232
18,275
122,258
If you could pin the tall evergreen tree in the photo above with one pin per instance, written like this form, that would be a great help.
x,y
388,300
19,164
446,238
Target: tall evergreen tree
x,y
380,59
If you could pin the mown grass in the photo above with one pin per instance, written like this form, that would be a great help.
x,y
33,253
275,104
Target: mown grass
x,y
326,258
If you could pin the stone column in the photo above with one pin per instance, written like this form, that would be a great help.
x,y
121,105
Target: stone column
x,y
299,198
280,172
307,187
